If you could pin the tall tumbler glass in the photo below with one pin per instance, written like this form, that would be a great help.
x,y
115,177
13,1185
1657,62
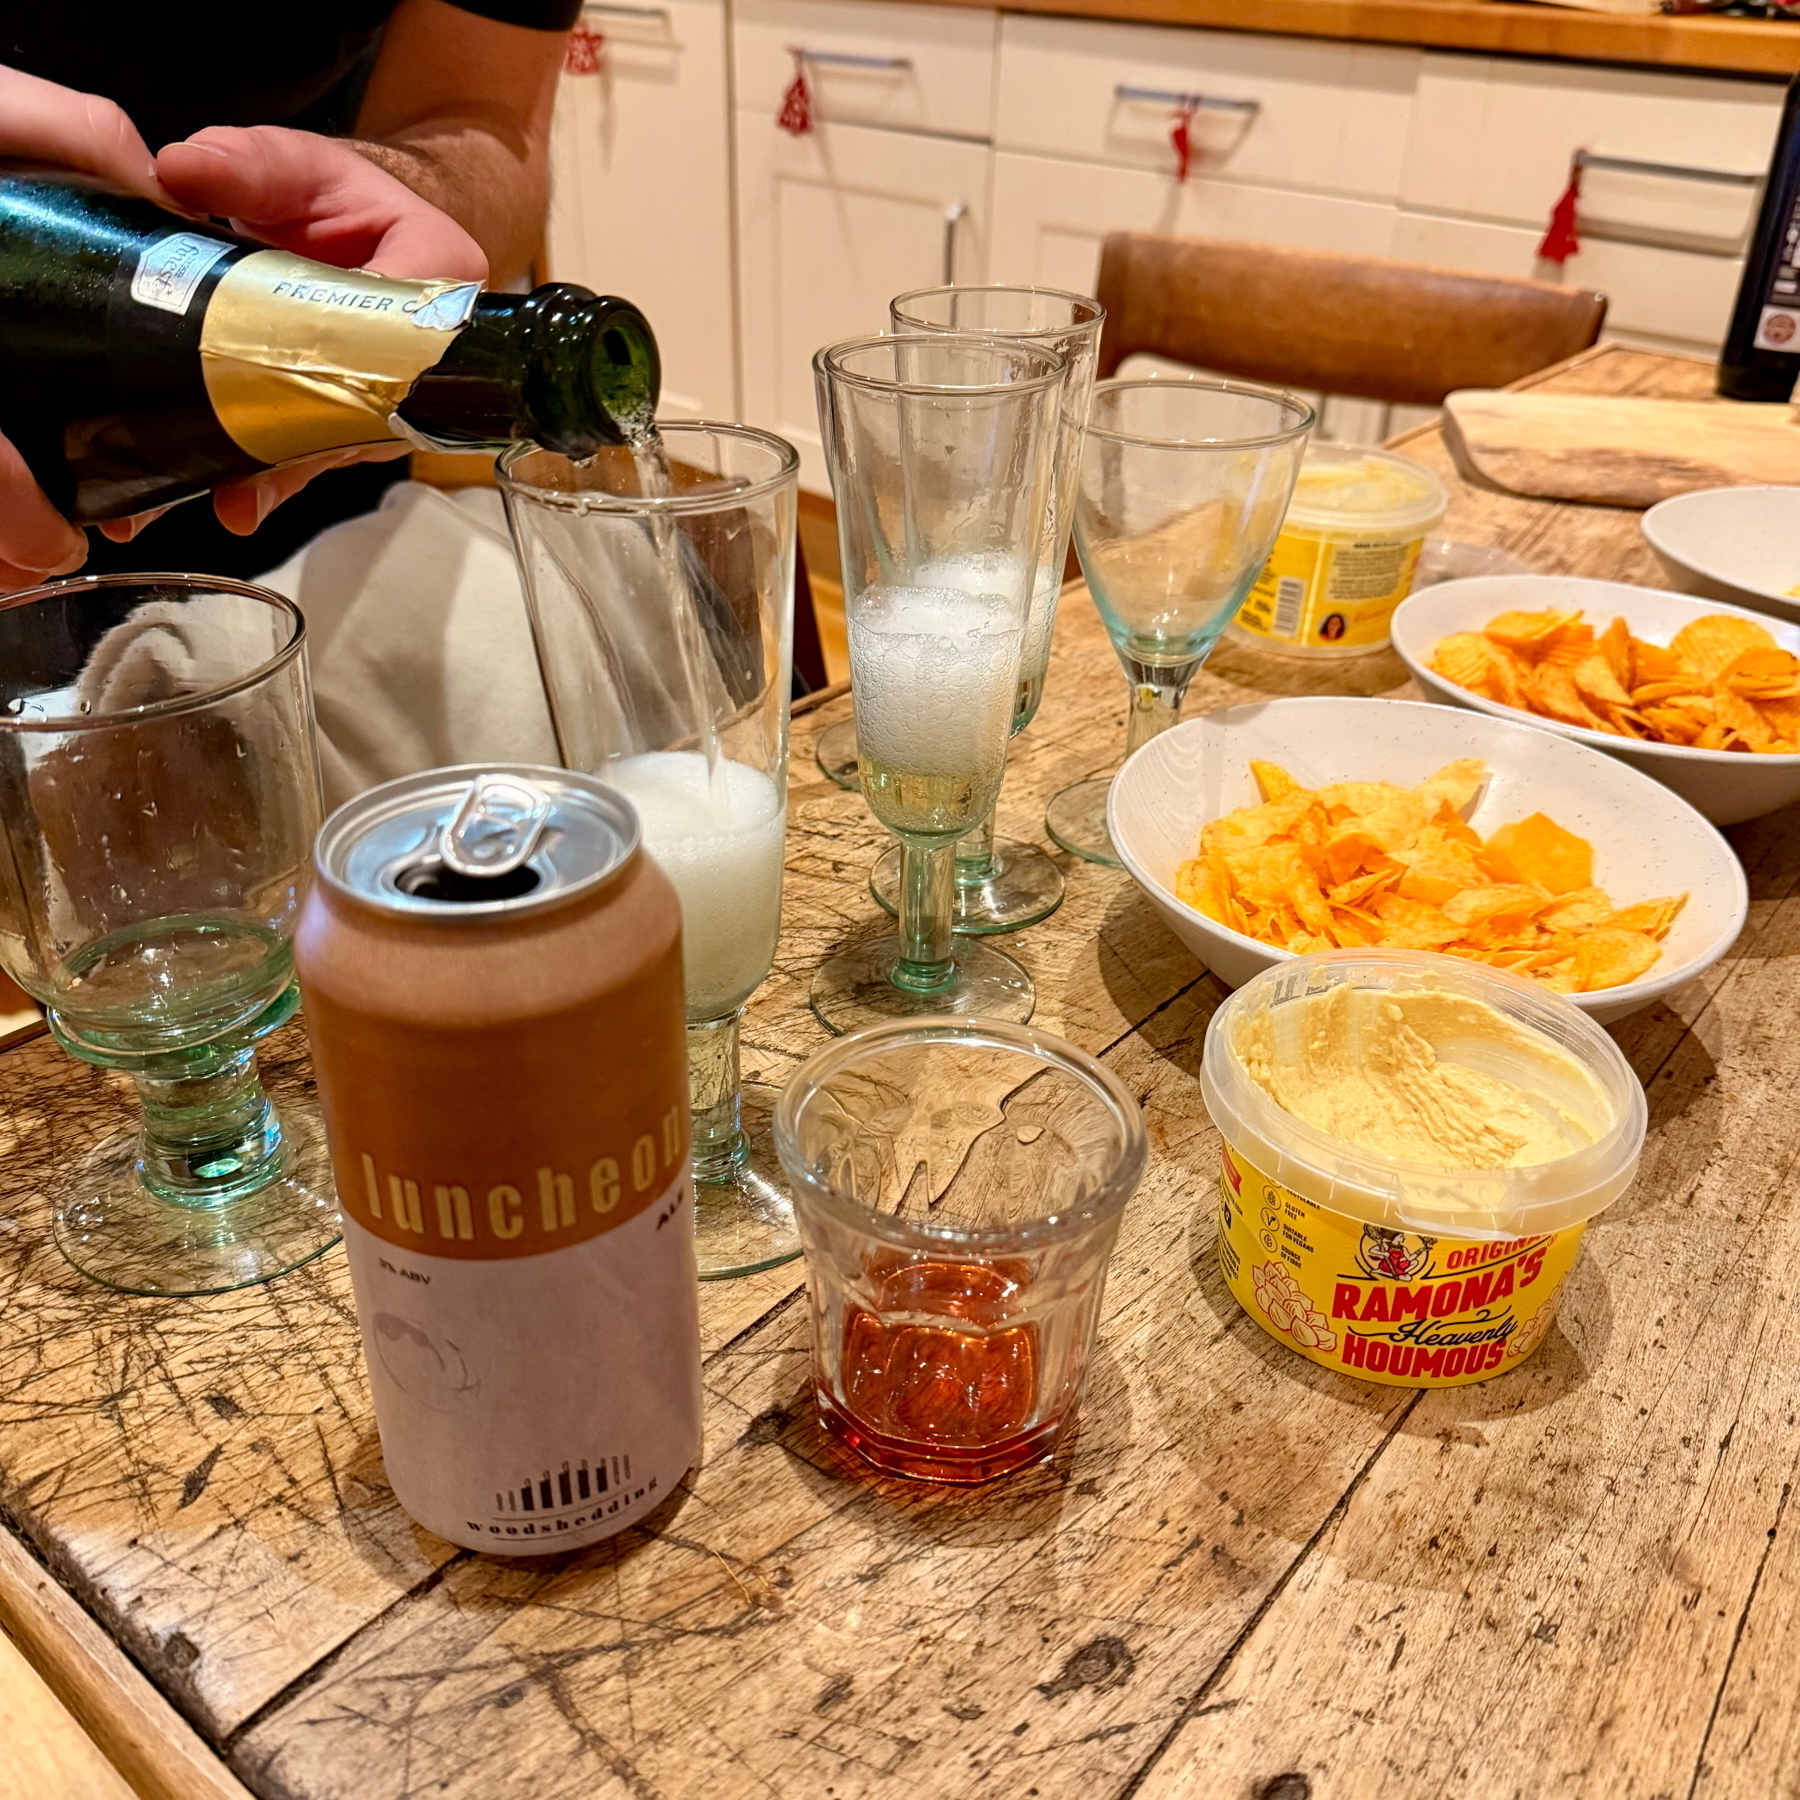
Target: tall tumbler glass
x,y
1183,487
1001,884
159,791
941,449
660,584
960,1185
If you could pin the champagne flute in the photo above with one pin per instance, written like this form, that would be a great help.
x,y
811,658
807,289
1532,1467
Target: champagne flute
x,y
1001,884
660,584
941,448
159,791
1183,487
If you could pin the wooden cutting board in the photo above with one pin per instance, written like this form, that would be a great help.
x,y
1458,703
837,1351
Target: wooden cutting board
x,y
1618,451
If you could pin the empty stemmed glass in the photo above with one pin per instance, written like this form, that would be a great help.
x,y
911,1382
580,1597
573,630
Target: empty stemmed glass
x,y
1001,884
1183,487
661,595
159,791
941,449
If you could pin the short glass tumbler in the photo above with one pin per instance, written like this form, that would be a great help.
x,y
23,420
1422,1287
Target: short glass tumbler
x,y
960,1184
159,791
660,586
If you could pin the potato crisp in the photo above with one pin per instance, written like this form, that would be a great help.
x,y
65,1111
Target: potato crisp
x,y
1721,683
1362,863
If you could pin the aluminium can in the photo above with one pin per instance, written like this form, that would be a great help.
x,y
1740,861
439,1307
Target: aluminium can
x,y
491,972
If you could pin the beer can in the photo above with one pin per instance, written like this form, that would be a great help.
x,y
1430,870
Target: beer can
x,y
491,972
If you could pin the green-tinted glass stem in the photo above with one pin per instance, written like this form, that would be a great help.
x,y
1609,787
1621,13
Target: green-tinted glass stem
x,y
975,854
210,1134
714,1080
927,916
1156,695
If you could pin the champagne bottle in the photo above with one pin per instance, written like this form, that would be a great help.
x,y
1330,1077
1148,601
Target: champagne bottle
x,y
1761,358
144,357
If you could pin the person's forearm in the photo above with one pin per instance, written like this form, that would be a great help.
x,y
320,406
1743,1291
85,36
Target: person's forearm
x,y
495,190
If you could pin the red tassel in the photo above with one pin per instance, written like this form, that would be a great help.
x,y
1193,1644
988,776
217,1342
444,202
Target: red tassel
x,y
796,115
586,54
1178,136
1561,240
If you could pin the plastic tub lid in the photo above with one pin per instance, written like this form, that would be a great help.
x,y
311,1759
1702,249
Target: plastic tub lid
x,y
1378,1189
1344,487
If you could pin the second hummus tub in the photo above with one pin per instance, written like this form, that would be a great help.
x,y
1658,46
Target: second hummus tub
x,y
1413,1148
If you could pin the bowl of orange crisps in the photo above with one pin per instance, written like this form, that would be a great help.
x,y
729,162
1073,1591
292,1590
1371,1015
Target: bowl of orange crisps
x,y
1701,697
1290,826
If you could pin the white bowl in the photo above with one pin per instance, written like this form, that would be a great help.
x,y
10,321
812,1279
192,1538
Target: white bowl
x,y
1737,544
1726,785
1647,843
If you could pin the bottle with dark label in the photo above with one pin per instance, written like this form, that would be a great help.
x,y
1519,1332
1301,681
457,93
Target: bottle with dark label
x,y
144,357
1761,358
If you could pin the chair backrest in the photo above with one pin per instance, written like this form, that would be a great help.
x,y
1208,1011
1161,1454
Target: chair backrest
x,y
1404,333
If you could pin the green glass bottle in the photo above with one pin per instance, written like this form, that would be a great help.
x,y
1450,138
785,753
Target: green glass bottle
x,y
144,358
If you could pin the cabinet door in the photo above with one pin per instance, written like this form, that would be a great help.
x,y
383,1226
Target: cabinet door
x,y
831,226
640,189
1050,215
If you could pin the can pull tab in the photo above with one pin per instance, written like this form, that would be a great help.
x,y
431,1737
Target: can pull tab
x,y
496,828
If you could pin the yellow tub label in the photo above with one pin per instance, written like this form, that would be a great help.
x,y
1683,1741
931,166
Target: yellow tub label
x,y
1388,1306
1330,593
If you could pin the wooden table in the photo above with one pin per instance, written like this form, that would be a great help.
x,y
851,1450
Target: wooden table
x,y
1242,1576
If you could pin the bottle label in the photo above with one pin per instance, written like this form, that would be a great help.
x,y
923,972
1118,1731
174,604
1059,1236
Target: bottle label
x,y
299,358
171,270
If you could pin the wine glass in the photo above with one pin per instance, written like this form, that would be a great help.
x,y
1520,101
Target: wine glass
x,y
159,792
960,1186
1001,884
1183,487
941,449
660,584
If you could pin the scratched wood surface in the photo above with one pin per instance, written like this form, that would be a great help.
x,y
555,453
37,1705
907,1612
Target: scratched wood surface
x,y
1241,1576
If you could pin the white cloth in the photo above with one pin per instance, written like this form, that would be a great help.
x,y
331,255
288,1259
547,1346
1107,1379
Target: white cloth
x,y
419,643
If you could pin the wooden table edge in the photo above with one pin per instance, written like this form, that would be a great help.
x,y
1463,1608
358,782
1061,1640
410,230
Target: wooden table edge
x,y
153,1748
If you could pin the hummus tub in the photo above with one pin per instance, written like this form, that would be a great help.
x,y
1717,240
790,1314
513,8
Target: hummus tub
x,y
1345,559
1392,1268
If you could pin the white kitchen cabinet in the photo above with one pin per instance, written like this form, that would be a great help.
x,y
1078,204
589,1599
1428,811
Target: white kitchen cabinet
x,y
1304,113
830,227
640,200
1049,216
1492,138
871,62
1667,298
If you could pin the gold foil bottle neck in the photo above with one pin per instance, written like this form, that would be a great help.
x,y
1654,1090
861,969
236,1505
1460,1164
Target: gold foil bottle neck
x,y
299,358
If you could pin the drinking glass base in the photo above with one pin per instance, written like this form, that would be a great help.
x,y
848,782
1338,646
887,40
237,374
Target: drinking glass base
x,y
117,1232
920,1460
744,1219
1076,819
1022,887
855,987
835,753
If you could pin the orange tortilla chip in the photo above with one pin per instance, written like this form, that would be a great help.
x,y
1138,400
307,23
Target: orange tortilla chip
x,y
1372,863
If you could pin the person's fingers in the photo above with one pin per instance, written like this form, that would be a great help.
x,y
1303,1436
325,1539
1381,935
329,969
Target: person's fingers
x,y
46,122
241,506
35,539
122,531
317,197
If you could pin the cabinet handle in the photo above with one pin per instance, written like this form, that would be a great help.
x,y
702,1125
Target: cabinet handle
x,y
1631,165
608,10
1199,102
954,214
843,59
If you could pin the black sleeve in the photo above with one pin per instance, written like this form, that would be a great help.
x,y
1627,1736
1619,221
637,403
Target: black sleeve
x,y
539,15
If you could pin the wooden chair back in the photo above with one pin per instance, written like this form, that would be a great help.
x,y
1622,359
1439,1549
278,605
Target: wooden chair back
x,y
1404,333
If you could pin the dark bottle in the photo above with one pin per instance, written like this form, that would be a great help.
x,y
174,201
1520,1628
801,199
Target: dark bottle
x,y
144,358
1761,358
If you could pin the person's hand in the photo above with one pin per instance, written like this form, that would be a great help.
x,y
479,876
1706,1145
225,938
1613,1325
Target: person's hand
x,y
316,197
42,122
